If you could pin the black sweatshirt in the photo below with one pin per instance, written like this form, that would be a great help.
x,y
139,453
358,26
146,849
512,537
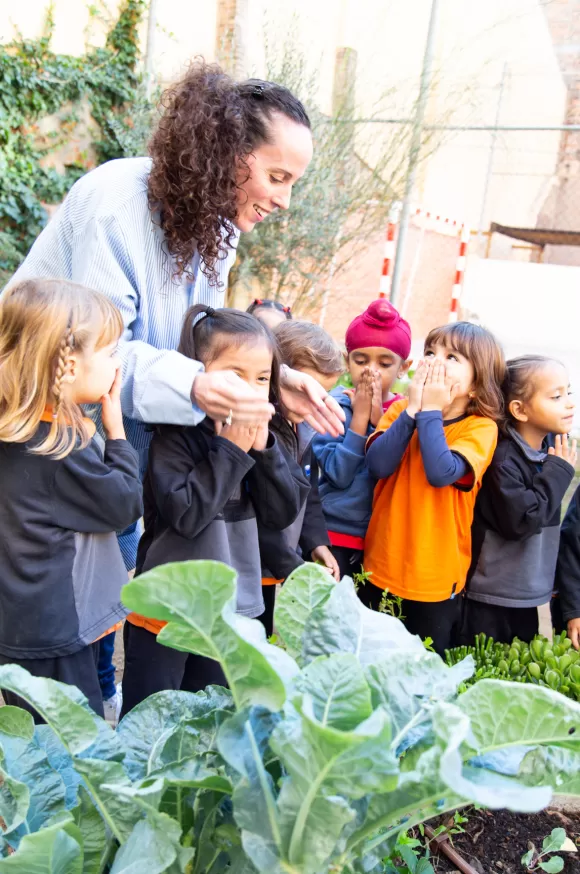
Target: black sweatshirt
x,y
568,567
516,525
282,551
61,570
204,497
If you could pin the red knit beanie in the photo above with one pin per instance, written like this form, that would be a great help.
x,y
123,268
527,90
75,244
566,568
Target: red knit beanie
x,y
380,325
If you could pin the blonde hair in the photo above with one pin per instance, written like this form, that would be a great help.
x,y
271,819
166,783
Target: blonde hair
x,y
41,322
305,345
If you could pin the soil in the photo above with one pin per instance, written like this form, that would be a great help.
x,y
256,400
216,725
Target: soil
x,y
495,841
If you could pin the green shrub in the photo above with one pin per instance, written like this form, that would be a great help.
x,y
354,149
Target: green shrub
x,y
314,760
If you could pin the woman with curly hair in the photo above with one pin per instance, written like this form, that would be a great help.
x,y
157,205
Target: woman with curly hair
x,y
158,235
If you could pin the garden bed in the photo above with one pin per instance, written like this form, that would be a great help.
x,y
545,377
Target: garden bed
x,y
495,841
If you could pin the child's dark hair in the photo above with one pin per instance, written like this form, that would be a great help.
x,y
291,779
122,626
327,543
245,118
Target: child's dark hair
x,y
206,333
480,347
519,383
303,344
263,303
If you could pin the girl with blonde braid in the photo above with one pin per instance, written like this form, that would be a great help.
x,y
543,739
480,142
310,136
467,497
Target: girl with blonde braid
x,y
64,495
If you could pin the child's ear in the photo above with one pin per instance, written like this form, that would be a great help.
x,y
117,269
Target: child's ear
x,y
71,369
404,368
518,411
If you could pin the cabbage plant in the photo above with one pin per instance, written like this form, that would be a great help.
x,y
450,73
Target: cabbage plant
x,y
315,757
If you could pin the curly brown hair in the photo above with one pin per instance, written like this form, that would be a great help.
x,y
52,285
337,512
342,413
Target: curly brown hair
x,y
209,126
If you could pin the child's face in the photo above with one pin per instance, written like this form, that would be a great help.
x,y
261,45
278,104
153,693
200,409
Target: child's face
x,y
550,409
91,373
457,367
252,362
390,366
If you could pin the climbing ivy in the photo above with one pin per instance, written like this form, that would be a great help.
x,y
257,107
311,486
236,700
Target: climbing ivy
x,y
35,84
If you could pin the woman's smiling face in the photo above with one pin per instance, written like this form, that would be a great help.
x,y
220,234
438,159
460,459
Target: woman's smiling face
x,y
274,168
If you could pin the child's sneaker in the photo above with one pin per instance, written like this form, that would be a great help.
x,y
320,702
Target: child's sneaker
x,y
112,706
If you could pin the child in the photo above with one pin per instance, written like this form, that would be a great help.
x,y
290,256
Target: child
x,y
516,528
61,570
308,348
205,489
567,604
378,343
271,312
430,454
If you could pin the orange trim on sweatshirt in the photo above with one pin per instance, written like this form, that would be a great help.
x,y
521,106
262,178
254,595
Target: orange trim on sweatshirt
x,y
270,581
152,625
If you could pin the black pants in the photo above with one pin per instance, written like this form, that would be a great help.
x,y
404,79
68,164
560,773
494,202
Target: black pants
x,y
151,667
440,620
267,617
79,669
349,560
501,623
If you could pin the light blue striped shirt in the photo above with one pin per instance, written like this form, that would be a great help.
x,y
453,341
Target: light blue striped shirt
x,y
103,236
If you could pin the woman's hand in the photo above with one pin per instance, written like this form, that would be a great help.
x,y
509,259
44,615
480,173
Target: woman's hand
x,y
309,402
222,391
111,414
564,449
323,555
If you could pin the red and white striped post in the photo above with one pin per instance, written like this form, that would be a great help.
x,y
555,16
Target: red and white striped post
x,y
459,273
385,284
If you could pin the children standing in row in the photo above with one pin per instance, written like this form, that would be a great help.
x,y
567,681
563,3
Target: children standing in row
x,y
63,494
516,529
378,344
430,453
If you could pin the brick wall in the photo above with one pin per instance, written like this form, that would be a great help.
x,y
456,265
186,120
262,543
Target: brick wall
x,y
430,263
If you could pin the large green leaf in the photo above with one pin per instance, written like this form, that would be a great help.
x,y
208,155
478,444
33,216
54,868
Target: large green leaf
x,y
504,714
306,588
50,851
328,767
198,600
242,741
63,707
145,730
340,695
153,847
26,761
342,624
404,683
476,783
555,766
14,801
105,782
92,828
60,761
16,722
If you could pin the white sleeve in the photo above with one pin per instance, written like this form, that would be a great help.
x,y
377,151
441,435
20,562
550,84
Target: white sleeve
x,y
156,382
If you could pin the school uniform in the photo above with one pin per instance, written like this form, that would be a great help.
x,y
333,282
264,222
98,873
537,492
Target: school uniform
x,y
418,544
203,499
283,551
61,571
516,535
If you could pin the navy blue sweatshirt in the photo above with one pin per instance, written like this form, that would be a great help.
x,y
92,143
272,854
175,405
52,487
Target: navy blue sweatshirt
x,y
61,570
